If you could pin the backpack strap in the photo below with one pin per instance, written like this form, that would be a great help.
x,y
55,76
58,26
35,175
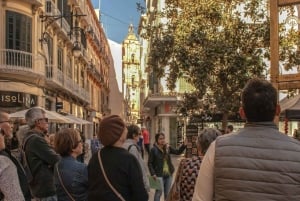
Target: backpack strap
x,y
135,146
27,139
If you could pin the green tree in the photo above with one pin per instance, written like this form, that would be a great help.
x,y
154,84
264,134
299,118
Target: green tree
x,y
217,46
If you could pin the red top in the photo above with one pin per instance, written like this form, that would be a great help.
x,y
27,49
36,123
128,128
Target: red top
x,y
146,136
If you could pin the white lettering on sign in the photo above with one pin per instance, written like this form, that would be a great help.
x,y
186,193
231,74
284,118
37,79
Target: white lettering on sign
x,y
17,98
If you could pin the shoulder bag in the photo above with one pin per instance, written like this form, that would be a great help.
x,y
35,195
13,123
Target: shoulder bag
x,y
62,184
106,179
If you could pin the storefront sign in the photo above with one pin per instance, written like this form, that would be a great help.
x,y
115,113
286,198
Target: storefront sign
x,y
17,99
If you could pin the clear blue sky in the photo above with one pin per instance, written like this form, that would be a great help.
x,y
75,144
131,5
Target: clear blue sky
x,y
116,16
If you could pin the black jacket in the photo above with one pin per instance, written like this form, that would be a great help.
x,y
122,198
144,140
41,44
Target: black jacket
x,y
21,174
124,173
41,159
156,159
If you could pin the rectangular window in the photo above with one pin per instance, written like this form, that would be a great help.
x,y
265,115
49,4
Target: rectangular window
x,y
18,31
60,59
69,67
82,79
76,73
18,36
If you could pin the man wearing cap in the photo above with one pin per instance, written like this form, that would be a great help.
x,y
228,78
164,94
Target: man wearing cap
x,y
120,167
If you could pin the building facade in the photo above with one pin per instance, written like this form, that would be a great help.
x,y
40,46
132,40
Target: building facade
x,y
54,54
131,73
159,104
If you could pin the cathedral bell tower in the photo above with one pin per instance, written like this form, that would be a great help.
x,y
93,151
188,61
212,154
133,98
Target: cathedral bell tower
x,y
131,74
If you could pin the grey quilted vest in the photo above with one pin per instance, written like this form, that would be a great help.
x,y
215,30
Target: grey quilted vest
x,y
257,164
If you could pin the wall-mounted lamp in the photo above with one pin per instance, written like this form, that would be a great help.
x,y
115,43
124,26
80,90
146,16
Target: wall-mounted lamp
x,y
76,49
73,29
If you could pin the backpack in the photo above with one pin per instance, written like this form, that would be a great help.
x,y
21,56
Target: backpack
x,y
137,147
24,161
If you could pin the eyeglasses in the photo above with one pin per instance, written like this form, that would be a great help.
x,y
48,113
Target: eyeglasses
x,y
7,121
45,119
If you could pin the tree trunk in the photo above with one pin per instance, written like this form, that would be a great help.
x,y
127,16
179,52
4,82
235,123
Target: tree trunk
x,y
224,120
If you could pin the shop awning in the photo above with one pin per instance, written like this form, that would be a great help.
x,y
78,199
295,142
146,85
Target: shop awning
x,y
290,108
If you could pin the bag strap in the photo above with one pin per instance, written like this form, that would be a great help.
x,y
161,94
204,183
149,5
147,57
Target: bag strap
x,y
24,146
106,179
61,182
129,147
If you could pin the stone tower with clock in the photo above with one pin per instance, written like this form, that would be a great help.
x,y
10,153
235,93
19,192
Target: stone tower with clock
x,y
131,75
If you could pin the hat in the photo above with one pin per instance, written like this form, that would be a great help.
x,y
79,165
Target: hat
x,y
111,129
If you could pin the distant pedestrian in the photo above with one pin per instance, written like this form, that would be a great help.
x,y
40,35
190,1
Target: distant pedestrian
x,y
71,177
146,136
113,173
229,129
95,144
160,164
256,163
131,145
140,143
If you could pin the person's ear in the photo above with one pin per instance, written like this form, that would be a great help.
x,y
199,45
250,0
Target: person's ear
x,y
242,113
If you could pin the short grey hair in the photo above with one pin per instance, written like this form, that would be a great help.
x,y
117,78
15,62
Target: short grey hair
x,y
206,137
34,114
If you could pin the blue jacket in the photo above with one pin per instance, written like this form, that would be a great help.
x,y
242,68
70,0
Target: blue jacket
x,y
75,179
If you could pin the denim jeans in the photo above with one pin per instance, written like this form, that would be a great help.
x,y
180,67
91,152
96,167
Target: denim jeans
x,y
50,198
166,185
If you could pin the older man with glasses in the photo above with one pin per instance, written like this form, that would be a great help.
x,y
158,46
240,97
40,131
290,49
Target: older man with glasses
x,y
41,158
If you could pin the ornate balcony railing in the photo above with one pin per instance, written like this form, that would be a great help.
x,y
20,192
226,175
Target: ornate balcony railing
x,y
20,60
56,76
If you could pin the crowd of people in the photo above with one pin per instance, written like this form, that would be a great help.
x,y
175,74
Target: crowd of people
x,y
254,163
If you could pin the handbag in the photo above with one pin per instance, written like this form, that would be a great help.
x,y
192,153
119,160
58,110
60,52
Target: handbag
x,y
61,182
106,179
174,194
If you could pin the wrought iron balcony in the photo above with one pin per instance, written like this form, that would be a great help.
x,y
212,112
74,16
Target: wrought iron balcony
x,y
56,79
20,62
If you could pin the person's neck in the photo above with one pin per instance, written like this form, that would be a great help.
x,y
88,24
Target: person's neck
x,y
74,155
118,143
38,130
160,146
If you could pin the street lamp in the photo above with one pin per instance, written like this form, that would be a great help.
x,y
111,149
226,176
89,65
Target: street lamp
x,y
52,18
76,49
